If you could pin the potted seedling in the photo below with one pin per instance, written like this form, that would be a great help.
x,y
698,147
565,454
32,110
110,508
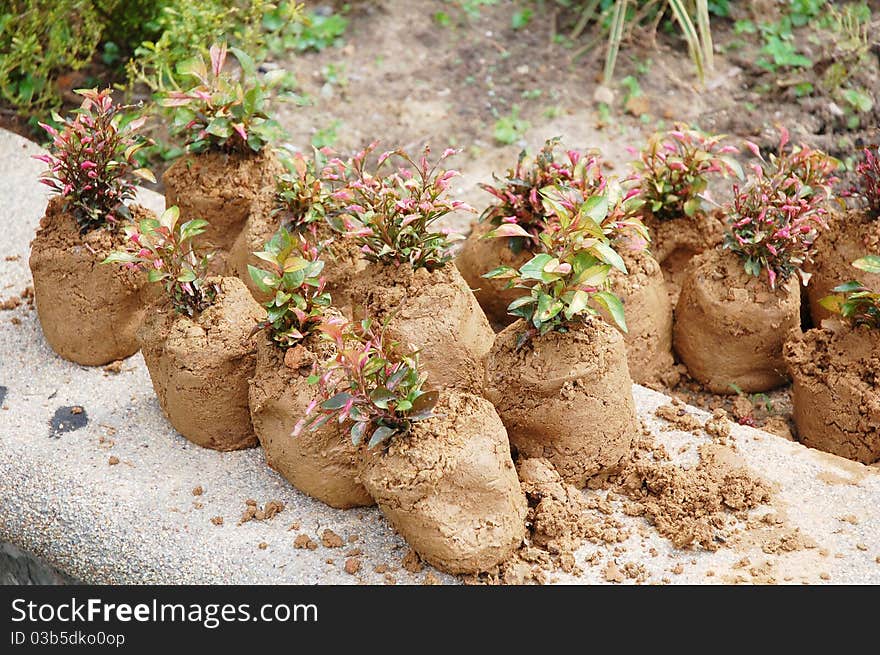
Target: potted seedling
x,y
323,462
738,302
836,373
517,218
672,172
558,375
223,123
437,463
307,195
410,283
196,340
851,232
89,314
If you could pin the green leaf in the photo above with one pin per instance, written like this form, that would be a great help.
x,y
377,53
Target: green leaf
x,y
423,405
380,397
596,207
357,432
534,268
248,67
870,263
119,257
336,402
501,271
832,303
169,217
380,434
259,277
613,306
608,255
578,303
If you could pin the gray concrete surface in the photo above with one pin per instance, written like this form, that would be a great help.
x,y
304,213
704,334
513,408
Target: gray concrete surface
x,y
137,521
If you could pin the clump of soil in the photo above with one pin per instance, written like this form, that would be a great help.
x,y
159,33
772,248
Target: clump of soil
x,y
479,256
89,312
648,316
253,512
320,463
675,242
836,392
435,313
221,188
730,327
850,236
565,396
341,256
200,366
449,487
691,507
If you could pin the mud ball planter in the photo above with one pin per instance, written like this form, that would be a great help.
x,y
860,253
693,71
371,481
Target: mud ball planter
x,y
431,311
836,391
674,242
200,366
648,313
449,487
89,313
479,256
729,327
222,189
342,257
565,396
321,463
850,236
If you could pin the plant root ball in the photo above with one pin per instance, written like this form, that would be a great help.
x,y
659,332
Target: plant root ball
x,y
566,397
729,327
449,487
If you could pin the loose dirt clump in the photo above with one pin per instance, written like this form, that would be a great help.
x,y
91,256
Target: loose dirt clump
x,y
330,539
560,518
253,512
691,507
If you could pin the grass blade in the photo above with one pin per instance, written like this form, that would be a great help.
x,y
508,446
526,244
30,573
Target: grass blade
x,y
690,34
617,21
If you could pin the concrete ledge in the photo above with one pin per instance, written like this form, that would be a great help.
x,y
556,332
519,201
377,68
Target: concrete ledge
x,y
106,495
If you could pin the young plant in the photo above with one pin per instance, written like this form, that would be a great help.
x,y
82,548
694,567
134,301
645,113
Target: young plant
x,y
293,278
309,190
775,218
569,278
854,301
519,194
369,385
163,248
801,172
868,171
92,160
222,112
390,216
675,167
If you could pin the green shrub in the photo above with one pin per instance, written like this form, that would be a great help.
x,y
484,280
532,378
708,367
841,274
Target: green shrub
x,y
40,39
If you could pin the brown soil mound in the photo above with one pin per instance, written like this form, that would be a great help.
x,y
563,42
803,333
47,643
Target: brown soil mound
x,y
691,506
450,487
479,256
648,317
676,241
221,189
322,464
200,367
566,397
729,327
434,312
850,236
342,258
836,391
89,312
